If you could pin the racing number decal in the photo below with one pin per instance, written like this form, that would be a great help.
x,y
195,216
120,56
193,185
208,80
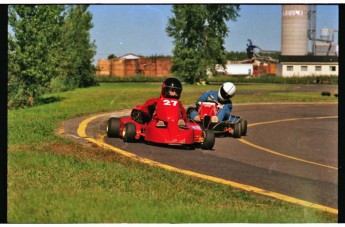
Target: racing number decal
x,y
169,102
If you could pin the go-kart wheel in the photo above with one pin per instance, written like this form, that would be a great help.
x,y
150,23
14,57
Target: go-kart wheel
x,y
237,131
113,128
209,140
243,127
129,132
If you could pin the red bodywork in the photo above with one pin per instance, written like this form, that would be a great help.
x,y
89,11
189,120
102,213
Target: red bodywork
x,y
208,109
168,111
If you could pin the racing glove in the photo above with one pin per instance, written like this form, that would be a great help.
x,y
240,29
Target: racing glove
x,y
220,106
197,105
152,109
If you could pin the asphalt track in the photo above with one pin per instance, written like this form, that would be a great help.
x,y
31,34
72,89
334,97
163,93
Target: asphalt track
x,y
289,153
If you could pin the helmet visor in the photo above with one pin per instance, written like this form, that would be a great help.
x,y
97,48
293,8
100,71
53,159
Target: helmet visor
x,y
224,94
172,92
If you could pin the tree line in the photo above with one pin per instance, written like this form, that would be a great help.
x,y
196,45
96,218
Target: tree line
x,y
49,50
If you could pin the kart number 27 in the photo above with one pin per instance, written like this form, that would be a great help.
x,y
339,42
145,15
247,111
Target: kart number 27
x,y
169,102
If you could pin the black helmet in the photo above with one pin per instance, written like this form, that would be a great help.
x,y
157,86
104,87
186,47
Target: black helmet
x,y
170,85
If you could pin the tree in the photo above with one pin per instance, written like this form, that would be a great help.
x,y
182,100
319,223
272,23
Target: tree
x,y
49,48
236,55
111,56
76,67
199,32
32,50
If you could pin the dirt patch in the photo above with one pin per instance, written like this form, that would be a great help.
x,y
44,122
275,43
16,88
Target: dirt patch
x,y
317,88
86,153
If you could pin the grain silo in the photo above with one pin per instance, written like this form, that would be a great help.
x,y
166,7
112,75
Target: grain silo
x,y
294,30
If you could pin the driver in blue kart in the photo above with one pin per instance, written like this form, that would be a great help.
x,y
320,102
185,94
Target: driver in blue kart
x,y
171,88
222,97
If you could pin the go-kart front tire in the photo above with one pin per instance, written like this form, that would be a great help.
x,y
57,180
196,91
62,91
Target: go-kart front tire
x,y
243,127
237,131
129,132
209,140
113,128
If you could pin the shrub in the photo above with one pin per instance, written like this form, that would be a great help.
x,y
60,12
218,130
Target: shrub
x,y
60,84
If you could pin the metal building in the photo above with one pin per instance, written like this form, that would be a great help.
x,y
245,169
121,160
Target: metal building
x,y
298,27
294,30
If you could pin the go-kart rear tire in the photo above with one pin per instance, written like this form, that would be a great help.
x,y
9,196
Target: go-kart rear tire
x,y
209,140
129,132
243,127
113,128
237,131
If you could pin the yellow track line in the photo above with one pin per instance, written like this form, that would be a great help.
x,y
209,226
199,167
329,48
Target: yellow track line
x,y
82,133
290,119
82,126
283,155
280,154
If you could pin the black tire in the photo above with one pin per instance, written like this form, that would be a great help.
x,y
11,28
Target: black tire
x,y
326,93
113,128
243,127
209,140
129,132
237,131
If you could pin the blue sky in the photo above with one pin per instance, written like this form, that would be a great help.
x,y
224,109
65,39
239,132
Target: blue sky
x,y
140,29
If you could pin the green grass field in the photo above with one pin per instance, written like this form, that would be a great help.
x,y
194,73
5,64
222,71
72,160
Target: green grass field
x,y
53,180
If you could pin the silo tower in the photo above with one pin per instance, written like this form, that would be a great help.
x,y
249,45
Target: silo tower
x,y
294,30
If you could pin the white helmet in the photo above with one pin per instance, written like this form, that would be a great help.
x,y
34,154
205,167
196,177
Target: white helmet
x,y
226,91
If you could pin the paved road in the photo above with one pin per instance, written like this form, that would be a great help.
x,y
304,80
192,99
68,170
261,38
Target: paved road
x,y
291,149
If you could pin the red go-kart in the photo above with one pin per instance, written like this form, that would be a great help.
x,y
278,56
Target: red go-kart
x,y
164,127
235,126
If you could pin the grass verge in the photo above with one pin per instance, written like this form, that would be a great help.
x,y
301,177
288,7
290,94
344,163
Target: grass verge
x,y
53,180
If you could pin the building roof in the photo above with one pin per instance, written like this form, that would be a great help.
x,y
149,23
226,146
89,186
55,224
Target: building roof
x,y
130,56
290,58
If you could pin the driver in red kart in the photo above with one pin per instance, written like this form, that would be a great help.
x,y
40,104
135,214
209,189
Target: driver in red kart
x,y
171,88
222,97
